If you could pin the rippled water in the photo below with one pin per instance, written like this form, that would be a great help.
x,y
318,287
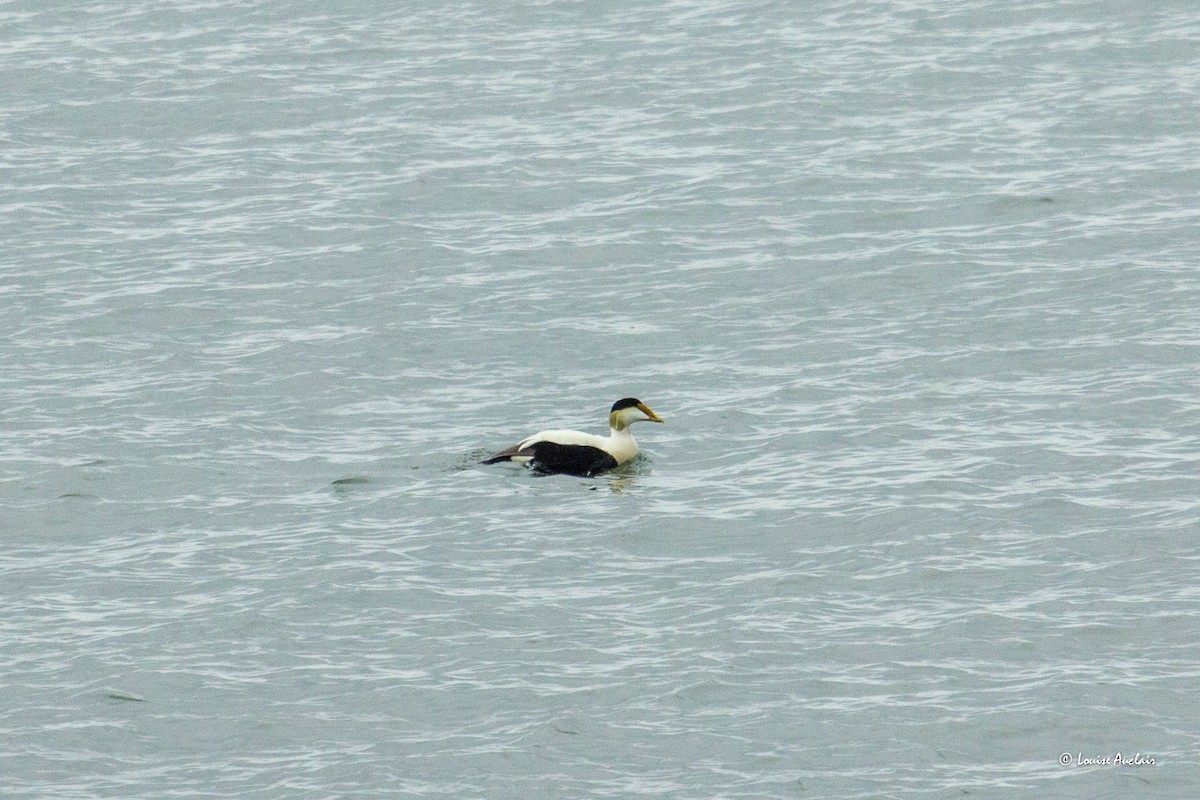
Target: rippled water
x,y
914,286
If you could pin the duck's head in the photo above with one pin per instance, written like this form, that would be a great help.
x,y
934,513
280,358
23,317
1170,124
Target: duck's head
x,y
628,411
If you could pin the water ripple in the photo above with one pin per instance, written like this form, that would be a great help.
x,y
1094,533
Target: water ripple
x,y
910,285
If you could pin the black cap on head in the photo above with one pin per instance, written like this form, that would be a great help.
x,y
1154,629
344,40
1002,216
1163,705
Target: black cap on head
x,y
628,402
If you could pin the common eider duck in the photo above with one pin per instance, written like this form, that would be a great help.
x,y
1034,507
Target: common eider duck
x,y
585,454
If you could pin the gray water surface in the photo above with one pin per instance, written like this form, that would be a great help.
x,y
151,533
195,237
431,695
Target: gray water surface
x,y
914,286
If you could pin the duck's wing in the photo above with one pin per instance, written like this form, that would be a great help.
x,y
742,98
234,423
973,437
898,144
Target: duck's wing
x,y
560,451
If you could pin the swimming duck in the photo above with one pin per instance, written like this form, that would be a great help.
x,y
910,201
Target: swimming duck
x,y
585,454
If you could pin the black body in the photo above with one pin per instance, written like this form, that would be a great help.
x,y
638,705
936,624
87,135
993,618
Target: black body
x,y
552,458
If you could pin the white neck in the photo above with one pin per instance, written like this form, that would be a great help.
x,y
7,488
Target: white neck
x,y
621,444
